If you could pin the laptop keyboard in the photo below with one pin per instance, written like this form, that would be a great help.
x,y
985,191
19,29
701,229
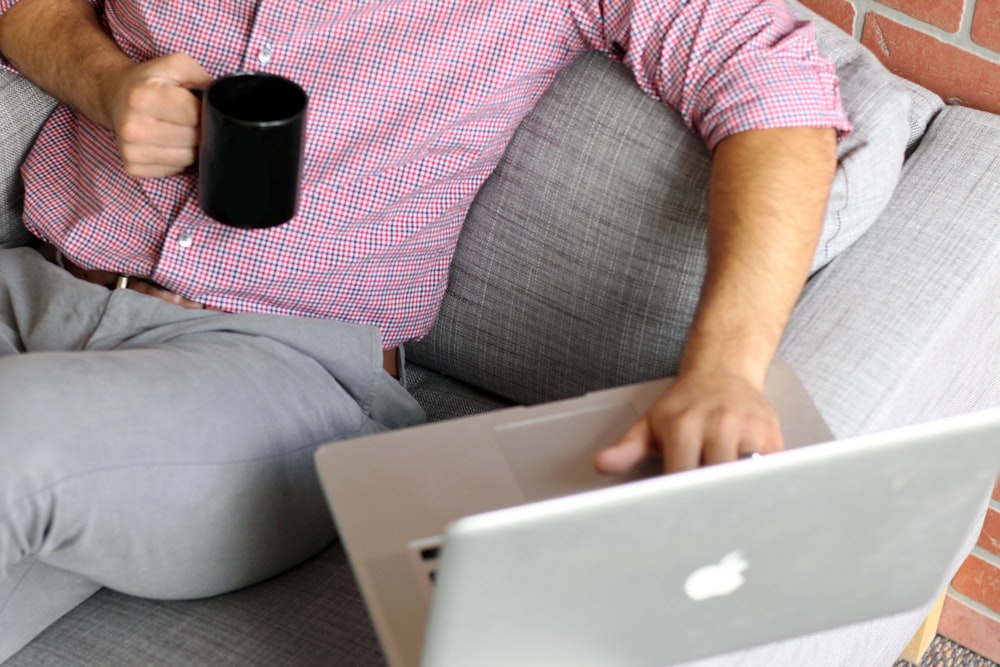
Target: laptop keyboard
x,y
424,556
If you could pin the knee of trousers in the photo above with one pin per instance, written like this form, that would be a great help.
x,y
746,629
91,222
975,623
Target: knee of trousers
x,y
188,486
171,531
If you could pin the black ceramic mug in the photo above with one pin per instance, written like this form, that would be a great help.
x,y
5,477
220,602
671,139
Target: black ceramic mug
x,y
252,139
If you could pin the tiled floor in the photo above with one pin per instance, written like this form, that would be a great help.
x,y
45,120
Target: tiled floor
x,y
945,653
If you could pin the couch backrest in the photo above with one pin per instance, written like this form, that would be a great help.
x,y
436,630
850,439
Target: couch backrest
x,y
582,258
23,109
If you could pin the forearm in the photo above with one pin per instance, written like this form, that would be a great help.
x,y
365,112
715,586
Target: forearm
x,y
62,47
767,199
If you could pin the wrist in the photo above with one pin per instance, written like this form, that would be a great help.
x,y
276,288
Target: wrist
x,y
108,79
713,358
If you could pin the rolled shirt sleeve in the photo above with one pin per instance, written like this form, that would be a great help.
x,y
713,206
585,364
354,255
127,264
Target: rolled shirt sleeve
x,y
725,66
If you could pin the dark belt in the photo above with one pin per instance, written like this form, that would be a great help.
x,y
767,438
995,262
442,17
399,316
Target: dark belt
x,y
111,280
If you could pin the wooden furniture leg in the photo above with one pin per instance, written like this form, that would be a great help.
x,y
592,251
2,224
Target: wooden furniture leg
x,y
925,633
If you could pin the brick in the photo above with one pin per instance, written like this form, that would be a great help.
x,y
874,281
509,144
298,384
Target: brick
x,y
945,14
958,76
979,581
841,13
970,628
986,24
989,538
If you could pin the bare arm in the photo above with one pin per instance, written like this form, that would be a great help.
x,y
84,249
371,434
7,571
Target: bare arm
x,y
767,198
62,47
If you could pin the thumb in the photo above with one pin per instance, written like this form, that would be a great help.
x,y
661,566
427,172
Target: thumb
x,y
628,452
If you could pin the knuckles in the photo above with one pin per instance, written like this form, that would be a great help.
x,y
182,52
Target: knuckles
x,y
143,162
132,131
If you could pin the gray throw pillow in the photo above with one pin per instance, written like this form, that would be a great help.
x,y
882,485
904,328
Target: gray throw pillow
x,y
581,260
889,115
23,110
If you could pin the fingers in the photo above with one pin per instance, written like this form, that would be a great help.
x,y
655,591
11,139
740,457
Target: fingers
x,y
731,435
677,441
152,148
627,453
155,116
150,162
698,422
679,438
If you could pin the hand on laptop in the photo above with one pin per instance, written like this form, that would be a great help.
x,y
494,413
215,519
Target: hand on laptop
x,y
702,419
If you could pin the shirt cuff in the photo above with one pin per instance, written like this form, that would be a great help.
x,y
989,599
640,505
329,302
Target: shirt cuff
x,y
789,84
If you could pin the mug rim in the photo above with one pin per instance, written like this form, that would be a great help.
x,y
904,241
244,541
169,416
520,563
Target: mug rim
x,y
302,106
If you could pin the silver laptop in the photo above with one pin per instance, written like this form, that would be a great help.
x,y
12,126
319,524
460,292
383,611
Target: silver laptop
x,y
489,540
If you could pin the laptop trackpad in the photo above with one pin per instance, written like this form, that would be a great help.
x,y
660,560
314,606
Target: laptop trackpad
x,y
551,456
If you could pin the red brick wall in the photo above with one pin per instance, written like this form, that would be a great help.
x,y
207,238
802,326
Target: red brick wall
x,y
972,609
953,48
949,46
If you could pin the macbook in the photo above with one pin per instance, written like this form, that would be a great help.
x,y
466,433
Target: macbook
x,y
490,540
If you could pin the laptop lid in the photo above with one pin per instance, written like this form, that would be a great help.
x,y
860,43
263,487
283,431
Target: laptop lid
x,y
392,494
703,563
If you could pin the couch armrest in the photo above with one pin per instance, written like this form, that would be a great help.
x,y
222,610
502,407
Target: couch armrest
x,y
23,110
903,327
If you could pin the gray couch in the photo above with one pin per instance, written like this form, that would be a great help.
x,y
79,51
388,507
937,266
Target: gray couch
x,y
579,268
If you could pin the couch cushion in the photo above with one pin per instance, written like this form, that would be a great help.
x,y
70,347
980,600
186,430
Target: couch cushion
x,y
909,315
582,257
23,109
890,115
446,398
309,617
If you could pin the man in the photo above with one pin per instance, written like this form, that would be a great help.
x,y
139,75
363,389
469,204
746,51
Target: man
x,y
162,444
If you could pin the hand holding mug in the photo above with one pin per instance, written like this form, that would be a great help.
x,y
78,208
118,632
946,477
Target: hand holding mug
x,y
252,142
154,116
247,133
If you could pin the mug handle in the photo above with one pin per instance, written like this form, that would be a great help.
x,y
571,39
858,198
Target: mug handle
x,y
199,92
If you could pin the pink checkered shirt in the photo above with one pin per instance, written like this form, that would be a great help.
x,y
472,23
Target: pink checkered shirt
x,y
411,105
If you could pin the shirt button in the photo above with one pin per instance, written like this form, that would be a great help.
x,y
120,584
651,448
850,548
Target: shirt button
x,y
185,239
265,54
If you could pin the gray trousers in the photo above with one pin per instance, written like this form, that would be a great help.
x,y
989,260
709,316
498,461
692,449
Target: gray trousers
x,y
159,451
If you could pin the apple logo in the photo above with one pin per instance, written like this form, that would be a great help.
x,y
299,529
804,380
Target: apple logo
x,y
717,579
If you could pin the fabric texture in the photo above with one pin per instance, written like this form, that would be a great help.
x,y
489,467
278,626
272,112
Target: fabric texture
x,y
412,104
586,237
581,260
445,398
23,109
927,367
909,315
312,616
161,451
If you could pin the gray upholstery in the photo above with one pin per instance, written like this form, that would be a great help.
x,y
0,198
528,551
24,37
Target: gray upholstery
x,y
562,291
23,110
889,114
582,258
309,617
532,309
909,316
